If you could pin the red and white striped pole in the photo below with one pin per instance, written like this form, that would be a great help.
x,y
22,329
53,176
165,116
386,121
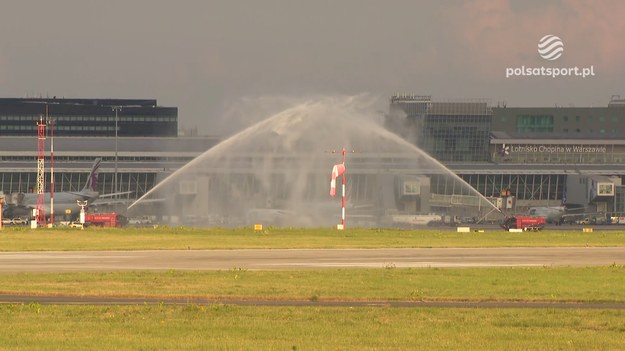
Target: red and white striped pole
x,y
339,171
40,216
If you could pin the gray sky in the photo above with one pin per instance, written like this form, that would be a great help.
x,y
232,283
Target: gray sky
x,y
211,58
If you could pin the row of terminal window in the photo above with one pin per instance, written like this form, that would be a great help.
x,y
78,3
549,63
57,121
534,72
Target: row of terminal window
x,y
59,128
104,159
93,118
590,118
548,119
602,131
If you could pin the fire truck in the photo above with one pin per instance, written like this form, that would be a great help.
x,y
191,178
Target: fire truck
x,y
105,219
526,223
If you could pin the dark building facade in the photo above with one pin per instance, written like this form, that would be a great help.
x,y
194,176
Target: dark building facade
x,y
448,131
562,122
88,117
146,150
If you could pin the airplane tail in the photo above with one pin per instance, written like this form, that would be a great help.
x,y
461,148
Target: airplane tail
x,y
92,180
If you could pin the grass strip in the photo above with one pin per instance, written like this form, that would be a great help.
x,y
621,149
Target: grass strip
x,y
568,284
224,327
168,238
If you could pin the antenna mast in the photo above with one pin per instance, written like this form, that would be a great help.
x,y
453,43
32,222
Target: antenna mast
x,y
51,123
40,216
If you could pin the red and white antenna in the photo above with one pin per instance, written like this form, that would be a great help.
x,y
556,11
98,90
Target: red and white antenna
x,y
40,215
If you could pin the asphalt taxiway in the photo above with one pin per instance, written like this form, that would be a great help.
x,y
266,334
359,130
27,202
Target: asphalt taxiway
x,y
81,261
85,261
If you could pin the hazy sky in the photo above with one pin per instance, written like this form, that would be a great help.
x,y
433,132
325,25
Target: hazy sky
x,y
211,58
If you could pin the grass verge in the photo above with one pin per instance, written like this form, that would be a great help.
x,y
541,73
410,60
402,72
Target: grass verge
x,y
223,327
13,239
587,284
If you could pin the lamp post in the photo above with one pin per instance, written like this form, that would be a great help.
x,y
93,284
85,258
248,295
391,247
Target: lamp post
x,y
116,109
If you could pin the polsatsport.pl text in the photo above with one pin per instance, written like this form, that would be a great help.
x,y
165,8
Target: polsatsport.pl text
x,y
550,72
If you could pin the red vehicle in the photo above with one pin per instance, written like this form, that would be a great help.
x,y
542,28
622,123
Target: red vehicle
x,y
526,223
105,219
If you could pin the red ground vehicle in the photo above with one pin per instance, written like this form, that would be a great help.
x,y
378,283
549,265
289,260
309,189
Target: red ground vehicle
x,y
526,223
106,219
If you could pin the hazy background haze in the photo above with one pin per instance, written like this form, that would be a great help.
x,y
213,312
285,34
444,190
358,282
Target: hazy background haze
x,y
218,61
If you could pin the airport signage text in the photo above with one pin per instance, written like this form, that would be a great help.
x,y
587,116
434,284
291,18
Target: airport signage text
x,y
550,149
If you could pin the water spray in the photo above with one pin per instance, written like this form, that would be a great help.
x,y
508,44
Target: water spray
x,y
276,160
491,211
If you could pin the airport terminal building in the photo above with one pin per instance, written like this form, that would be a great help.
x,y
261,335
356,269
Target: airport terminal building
x,y
518,157
136,139
522,156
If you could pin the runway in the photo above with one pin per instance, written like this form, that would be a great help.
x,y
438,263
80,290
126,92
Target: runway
x,y
252,259
258,259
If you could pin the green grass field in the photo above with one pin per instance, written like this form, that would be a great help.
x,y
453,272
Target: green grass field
x,y
22,239
591,284
225,327
33,326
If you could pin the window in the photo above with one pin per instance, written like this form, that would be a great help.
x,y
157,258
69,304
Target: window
x,y
605,189
411,188
535,123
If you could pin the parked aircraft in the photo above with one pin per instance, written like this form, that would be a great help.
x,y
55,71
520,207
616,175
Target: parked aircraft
x,y
552,214
65,203
558,214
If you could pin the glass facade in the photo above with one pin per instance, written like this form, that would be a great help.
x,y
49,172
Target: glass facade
x,y
535,123
456,138
138,183
87,117
523,187
456,131
560,122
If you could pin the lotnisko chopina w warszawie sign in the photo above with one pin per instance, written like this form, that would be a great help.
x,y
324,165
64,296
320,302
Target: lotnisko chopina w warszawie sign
x,y
550,149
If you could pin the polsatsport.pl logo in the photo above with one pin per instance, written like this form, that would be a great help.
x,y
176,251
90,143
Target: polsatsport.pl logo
x,y
550,47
